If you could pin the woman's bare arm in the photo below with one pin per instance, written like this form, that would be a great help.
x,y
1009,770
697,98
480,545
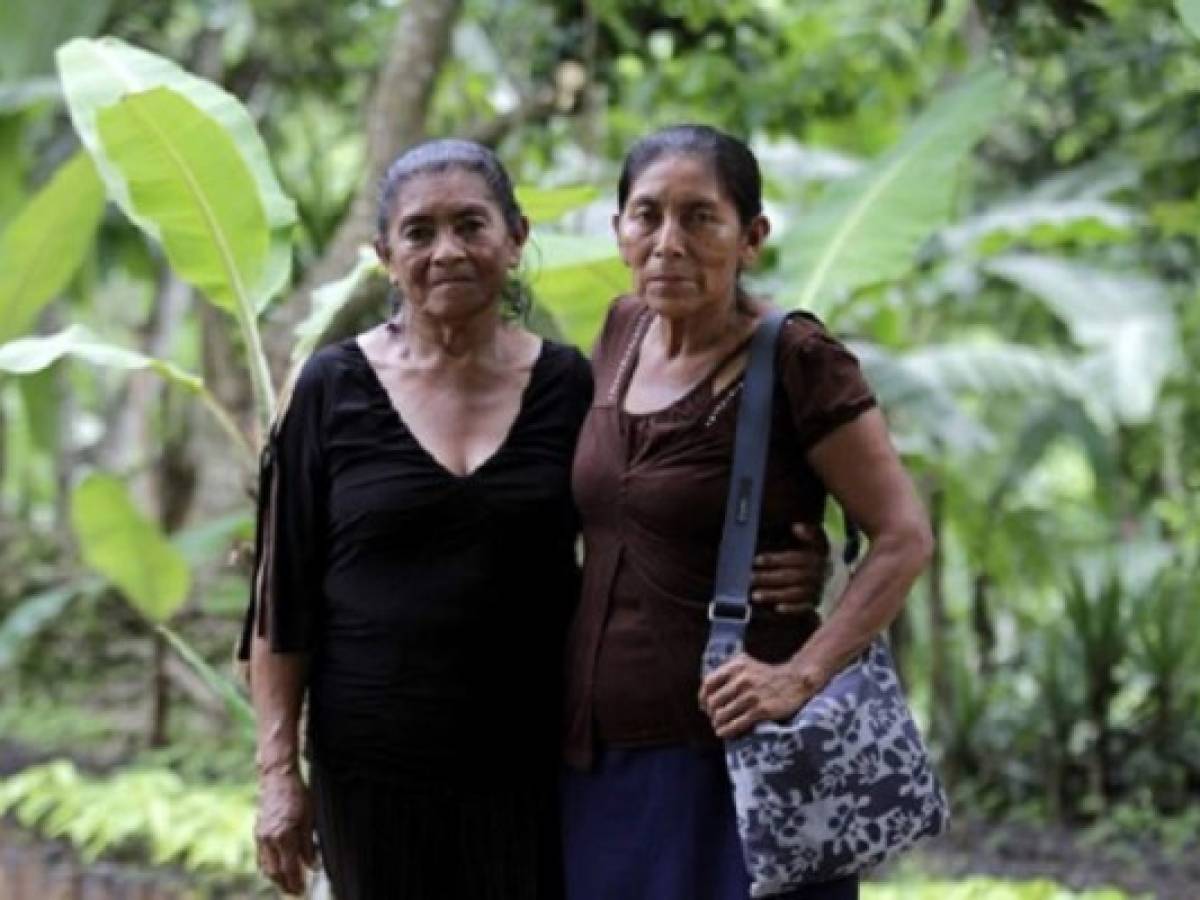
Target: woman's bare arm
x,y
285,817
860,468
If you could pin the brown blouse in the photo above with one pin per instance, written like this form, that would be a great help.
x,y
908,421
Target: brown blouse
x,y
651,492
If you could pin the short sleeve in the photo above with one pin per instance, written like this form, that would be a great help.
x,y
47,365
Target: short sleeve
x,y
823,380
286,585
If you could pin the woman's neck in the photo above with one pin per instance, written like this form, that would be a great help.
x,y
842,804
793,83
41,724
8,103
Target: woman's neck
x,y
698,333
430,340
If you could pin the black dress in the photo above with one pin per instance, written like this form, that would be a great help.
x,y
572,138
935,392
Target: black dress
x,y
434,608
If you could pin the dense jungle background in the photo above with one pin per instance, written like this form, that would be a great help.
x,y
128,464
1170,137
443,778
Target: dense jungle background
x,y
997,202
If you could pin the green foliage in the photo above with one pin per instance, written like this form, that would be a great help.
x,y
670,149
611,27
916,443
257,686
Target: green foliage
x,y
44,245
27,356
236,704
983,889
330,299
30,30
205,829
1127,320
575,278
185,175
543,205
867,229
1189,12
96,74
128,549
35,614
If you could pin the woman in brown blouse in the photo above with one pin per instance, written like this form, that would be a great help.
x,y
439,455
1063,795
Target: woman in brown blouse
x,y
647,804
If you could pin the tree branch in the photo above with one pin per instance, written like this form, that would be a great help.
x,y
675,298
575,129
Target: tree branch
x,y
396,118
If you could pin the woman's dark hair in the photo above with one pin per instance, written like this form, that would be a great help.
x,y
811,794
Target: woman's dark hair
x,y
732,162
440,156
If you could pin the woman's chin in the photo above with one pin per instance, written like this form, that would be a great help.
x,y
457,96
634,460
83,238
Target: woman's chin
x,y
673,304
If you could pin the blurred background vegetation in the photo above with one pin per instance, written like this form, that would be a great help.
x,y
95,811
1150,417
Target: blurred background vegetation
x,y
997,202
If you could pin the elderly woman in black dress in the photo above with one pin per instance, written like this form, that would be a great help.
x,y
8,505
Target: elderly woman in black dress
x,y
416,569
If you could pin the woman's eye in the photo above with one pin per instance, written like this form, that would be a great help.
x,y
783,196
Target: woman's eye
x,y
416,234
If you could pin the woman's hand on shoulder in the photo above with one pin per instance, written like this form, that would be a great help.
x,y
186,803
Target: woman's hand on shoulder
x,y
743,692
284,831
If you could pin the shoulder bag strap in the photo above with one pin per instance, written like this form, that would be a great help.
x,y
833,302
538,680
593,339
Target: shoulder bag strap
x,y
729,611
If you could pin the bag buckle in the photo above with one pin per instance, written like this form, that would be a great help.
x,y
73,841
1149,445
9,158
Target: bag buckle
x,y
725,609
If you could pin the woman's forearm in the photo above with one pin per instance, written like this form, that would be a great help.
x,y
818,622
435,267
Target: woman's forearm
x,y
277,684
873,598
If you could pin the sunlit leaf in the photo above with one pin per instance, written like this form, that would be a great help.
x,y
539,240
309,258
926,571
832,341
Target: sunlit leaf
x,y
34,354
186,175
542,205
575,279
97,73
1041,223
25,356
1127,320
46,242
1189,12
867,229
127,548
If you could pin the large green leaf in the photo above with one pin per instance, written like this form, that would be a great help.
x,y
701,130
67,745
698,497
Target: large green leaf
x,y
1126,320
575,279
867,229
97,73
542,205
26,356
35,354
128,549
993,369
924,414
31,29
42,247
1041,222
185,175
1189,12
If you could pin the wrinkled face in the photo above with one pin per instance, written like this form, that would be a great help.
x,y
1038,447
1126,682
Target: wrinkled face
x,y
681,236
448,248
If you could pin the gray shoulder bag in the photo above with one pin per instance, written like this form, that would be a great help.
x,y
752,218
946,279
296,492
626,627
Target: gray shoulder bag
x,y
846,781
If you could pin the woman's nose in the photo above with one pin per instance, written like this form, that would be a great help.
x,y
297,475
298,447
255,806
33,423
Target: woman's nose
x,y
446,246
670,238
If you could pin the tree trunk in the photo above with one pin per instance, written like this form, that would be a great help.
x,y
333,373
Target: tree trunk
x,y
395,119
982,624
941,685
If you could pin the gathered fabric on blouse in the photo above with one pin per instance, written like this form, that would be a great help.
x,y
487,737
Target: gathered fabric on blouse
x,y
651,491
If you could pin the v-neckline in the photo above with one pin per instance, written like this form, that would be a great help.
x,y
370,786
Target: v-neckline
x,y
632,356
425,451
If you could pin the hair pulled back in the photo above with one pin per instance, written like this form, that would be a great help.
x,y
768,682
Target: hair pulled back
x,y
444,154
733,164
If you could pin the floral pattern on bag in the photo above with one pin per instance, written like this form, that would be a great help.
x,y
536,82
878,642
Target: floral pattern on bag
x,y
839,787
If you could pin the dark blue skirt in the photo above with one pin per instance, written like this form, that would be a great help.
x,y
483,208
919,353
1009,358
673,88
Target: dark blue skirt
x,y
659,824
